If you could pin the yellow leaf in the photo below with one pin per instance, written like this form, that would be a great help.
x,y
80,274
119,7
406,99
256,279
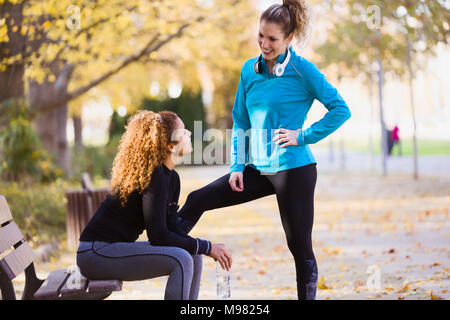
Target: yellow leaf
x,y
434,297
321,284
404,289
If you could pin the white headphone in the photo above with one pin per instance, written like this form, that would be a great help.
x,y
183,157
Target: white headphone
x,y
278,68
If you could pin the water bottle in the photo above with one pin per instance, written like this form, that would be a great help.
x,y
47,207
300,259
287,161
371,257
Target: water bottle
x,y
223,282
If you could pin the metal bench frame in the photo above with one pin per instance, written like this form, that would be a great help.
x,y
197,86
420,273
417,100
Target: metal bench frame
x,y
19,257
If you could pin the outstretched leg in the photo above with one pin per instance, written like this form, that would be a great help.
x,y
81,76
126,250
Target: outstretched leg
x,y
218,194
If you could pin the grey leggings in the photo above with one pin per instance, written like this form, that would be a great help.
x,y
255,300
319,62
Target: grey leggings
x,y
131,261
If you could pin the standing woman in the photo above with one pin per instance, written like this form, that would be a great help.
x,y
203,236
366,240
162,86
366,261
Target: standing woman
x,y
144,196
275,93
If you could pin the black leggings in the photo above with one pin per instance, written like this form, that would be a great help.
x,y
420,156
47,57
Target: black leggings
x,y
294,189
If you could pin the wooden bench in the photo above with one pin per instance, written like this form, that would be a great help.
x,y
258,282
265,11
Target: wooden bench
x,y
16,256
81,206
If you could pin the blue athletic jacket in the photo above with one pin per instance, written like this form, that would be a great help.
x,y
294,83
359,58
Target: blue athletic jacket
x,y
265,102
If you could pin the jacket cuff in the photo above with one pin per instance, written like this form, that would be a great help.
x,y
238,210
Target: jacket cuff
x,y
237,167
300,138
204,246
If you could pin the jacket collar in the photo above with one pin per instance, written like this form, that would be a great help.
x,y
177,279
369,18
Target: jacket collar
x,y
280,58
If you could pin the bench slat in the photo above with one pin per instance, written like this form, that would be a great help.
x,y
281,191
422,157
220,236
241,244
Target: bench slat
x,y
18,260
104,286
70,226
5,213
76,284
9,236
51,287
98,196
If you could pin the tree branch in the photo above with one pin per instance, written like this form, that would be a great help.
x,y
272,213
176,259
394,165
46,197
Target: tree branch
x,y
93,25
152,46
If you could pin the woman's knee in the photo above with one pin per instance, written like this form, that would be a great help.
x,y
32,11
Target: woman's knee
x,y
198,259
301,248
184,260
194,198
198,262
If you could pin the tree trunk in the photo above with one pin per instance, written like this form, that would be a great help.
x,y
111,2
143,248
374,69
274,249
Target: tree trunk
x,y
11,79
384,146
411,97
370,127
51,125
78,132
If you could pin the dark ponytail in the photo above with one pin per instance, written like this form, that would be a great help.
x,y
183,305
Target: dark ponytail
x,y
292,15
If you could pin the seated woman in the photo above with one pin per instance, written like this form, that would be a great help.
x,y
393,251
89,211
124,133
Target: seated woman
x,y
144,196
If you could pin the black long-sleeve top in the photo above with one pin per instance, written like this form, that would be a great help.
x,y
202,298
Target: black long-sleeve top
x,y
154,210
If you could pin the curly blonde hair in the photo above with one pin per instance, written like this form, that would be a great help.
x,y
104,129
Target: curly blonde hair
x,y
142,148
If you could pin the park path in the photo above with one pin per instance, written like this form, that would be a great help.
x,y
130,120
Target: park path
x,y
397,227
336,161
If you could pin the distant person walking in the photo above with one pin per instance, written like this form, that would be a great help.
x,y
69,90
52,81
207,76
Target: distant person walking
x,y
394,140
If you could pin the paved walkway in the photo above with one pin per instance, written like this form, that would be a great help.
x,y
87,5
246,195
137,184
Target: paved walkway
x,y
432,165
367,228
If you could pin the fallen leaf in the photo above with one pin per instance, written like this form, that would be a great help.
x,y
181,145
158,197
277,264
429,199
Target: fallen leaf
x,y
404,288
321,284
434,297
436,264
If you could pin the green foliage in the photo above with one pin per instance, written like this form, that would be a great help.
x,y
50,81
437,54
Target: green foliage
x,y
95,160
39,209
117,125
22,156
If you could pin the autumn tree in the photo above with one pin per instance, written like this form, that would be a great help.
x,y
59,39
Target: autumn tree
x,y
64,49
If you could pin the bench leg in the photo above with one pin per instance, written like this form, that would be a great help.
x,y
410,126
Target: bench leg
x,y
32,283
6,286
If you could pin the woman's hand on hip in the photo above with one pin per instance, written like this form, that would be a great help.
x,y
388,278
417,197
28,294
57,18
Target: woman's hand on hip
x,y
236,181
220,253
286,136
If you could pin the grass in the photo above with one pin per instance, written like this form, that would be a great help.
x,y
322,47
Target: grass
x,y
425,147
